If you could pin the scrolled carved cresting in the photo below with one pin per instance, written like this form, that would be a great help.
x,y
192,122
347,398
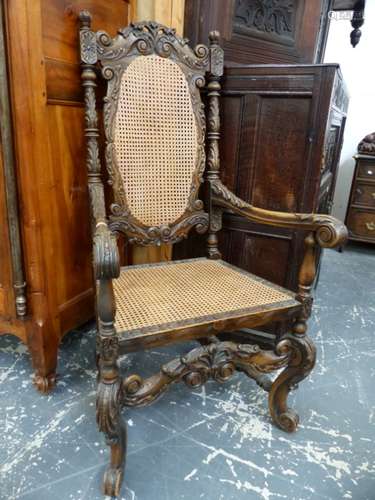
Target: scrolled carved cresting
x,y
367,145
328,231
116,56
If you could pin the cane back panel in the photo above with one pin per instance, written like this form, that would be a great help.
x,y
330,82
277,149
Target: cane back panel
x,y
154,123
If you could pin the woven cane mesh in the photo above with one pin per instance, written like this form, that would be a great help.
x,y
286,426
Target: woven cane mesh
x,y
155,295
155,139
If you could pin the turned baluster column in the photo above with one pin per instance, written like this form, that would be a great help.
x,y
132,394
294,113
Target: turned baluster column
x,y
106,267
105,249
305,281
88,76
213,137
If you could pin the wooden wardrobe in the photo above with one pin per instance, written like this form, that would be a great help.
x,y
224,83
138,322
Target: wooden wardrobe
x,y
46,285
283,116
46,282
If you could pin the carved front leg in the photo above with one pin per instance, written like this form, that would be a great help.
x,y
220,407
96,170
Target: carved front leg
x,y
302,361
108,408
301,348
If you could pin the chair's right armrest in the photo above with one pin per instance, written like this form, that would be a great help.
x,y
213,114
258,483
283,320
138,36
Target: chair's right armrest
x,y
328,231
105,253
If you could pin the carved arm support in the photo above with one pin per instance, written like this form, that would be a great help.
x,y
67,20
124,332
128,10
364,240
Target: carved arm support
x,y
322,230
105,252
328,232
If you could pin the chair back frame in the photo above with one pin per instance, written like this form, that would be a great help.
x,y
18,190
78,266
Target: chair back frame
x,y
113,56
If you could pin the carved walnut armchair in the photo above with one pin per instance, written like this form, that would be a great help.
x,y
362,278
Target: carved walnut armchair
x,y
159,148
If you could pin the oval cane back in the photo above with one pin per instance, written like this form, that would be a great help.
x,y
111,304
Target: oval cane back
x,y
155,138
155,130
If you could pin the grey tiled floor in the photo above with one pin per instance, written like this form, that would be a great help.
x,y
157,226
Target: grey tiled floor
x,y
216,442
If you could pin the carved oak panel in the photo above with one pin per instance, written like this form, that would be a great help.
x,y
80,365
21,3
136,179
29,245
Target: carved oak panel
x,y
269,19
261,31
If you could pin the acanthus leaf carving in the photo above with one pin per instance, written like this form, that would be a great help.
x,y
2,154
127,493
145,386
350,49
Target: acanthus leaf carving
x,y
267,16
217,360
88,47
108,406
168,233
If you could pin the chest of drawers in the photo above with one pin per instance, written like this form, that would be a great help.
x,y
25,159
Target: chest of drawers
x,y
360,217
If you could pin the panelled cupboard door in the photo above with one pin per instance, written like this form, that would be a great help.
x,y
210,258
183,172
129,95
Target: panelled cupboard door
x,y
280,143
47,106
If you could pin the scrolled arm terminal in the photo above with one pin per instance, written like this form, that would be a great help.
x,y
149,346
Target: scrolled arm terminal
x,y
105,253
328,231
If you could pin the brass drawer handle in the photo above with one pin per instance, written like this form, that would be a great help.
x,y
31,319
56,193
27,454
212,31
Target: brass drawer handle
x,y
373,195
370,226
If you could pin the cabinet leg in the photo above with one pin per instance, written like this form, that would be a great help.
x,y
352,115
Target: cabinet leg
x,y
43,344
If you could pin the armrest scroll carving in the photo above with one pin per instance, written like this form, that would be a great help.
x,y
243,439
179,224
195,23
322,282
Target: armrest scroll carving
x,y
328,231
105,251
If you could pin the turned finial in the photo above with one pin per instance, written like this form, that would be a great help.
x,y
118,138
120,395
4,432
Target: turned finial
x,y
214,37
85,19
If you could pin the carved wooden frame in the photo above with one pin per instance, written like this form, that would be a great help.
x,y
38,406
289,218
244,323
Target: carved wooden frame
x,y
114,56
295,352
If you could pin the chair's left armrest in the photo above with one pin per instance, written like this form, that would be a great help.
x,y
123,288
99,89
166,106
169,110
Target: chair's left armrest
x,y
105,253
328,231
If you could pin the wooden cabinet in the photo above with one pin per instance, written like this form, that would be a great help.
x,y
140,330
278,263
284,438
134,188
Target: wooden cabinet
x,y
281,140
282,131
40,56
360,217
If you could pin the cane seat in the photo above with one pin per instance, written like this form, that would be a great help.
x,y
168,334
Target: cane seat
x,y
153,299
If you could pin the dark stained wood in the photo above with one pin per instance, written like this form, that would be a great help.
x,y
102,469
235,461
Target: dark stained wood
x,y
360,216
219,360
364,194
282,131
282,141
253,248
280,32
46,107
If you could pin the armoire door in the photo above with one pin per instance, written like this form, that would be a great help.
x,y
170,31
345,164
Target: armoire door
x,y
48,121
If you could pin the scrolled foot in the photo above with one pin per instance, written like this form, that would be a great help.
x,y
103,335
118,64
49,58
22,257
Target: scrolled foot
x,y
302,361
109,402
44,384
288,421
112,481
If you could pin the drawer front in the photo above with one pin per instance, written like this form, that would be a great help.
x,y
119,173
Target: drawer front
x,y
366,170
361,223
364,194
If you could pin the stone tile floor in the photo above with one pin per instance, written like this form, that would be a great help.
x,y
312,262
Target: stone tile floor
x,y
216,442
